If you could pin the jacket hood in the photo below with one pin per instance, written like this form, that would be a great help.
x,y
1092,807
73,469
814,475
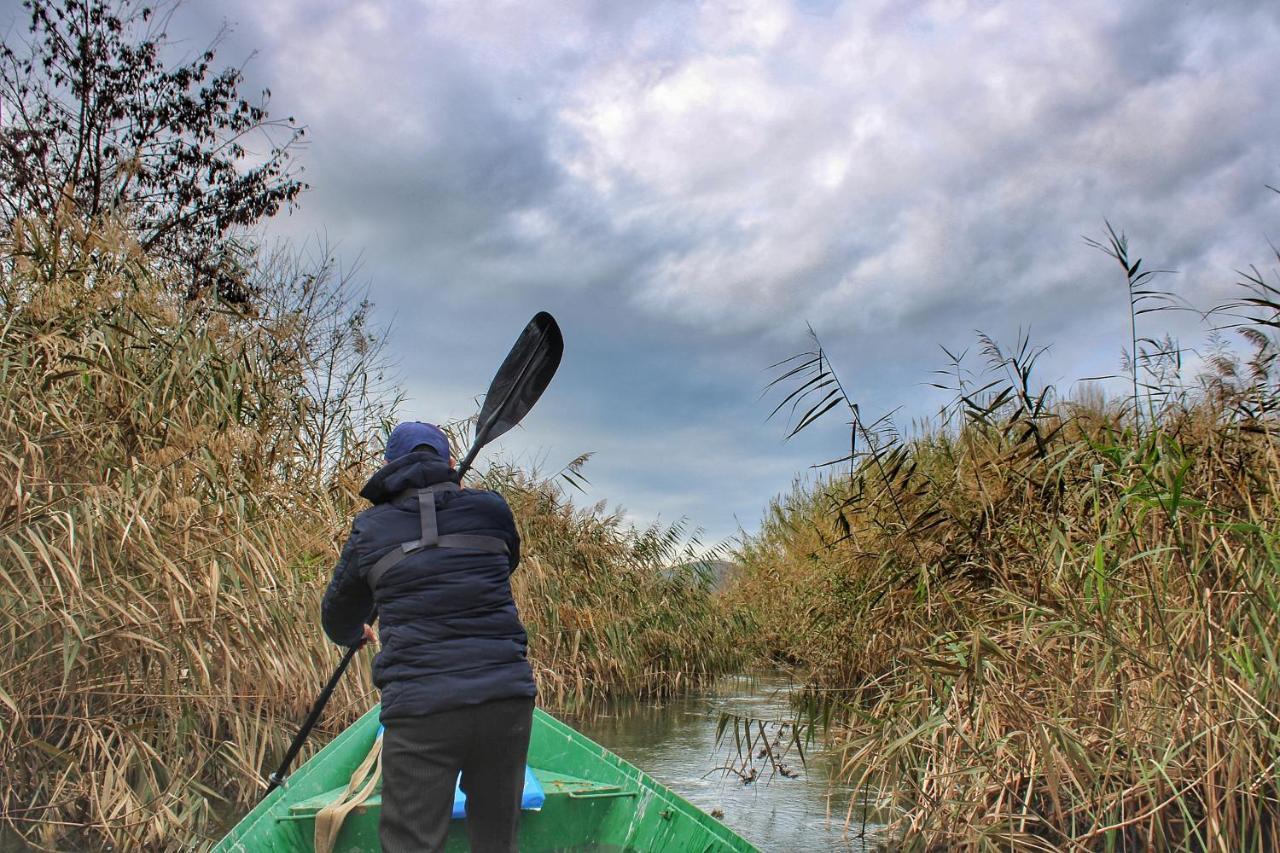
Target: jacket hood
x,y
411,471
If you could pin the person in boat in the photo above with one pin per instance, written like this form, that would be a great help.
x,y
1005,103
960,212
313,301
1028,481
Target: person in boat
x,y
457,690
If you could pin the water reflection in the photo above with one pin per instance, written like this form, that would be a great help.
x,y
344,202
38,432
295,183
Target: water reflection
x,y
675,742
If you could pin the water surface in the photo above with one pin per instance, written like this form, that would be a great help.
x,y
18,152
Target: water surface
x,y
675,742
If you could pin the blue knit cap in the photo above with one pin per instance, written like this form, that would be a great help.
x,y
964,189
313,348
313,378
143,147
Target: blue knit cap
x,y
408,435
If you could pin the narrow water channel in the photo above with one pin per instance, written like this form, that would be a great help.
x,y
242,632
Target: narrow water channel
x,y
676,743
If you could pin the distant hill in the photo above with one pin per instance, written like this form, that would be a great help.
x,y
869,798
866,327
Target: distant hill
x,y
720,571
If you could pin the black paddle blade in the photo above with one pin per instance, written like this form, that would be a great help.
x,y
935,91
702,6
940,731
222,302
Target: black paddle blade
x,y
524,375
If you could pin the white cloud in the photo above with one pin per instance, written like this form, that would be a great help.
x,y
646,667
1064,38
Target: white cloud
x,y
686,184
815,162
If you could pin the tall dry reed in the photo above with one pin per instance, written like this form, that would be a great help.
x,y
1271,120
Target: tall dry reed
x,y
611,609
162,536
176,481
1049,624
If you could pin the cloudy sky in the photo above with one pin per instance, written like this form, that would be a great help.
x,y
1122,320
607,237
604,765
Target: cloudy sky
x,y
686,185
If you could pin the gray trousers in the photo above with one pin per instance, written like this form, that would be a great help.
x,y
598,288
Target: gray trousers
x,y
421,758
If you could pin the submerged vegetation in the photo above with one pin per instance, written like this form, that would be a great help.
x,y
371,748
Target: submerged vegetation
x,y
1048,623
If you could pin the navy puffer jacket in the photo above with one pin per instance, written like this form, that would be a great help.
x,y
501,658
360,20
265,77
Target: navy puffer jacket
x,y
447,623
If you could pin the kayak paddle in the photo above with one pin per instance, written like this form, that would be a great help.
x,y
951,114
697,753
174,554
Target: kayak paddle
x,y
525,373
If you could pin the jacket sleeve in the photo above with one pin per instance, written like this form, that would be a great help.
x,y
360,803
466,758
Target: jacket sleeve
x,y
348,602
511,533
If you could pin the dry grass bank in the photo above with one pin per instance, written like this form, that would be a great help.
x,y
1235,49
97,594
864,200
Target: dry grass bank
x,y
176,480
1051,625
163,532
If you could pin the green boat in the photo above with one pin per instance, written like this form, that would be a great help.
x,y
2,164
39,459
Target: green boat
x,y
594,801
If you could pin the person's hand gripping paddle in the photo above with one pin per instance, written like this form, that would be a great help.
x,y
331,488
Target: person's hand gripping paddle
x,y
525,373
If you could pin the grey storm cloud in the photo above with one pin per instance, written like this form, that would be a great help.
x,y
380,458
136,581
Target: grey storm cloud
x,y
686,185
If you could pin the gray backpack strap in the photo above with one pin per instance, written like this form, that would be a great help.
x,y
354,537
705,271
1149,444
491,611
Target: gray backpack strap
x,y
427,515
473,542
431,537
388,560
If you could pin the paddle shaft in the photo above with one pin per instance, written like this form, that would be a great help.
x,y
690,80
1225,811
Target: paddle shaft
x,y
276,779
